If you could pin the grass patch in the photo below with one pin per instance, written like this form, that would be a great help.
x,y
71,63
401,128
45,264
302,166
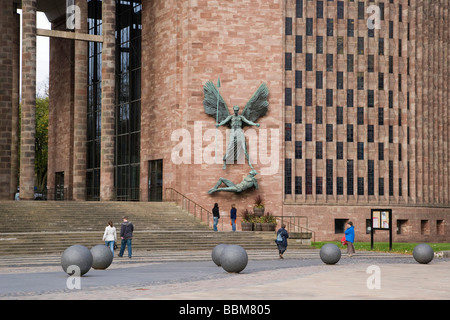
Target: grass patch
x,y
397,247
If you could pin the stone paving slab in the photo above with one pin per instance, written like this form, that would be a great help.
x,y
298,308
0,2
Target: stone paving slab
x,y
193,276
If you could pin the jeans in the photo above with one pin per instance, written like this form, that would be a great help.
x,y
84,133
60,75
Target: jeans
x,y
216,221
233,224
110,244
125,242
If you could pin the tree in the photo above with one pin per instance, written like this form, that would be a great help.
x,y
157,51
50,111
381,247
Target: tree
x,y
41,149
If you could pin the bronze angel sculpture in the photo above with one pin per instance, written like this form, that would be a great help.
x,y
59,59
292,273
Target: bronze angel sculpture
x,y
216,107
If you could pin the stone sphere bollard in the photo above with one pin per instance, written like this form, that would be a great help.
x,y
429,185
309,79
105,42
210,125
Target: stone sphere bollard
x,y
102,257
423,253
330,253
79,256
216,253
234,258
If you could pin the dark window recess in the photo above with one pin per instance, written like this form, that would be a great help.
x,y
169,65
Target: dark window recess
x,y
350,177
339,186
299,9
391,177
128,100
298,79
360,115
349,133
339,150
319,115
287,132
360,150
370,177
329,173
288,26
329,97
288,61
298,114
298,44
339,225
309,26
298,149
339,115
308,176
309,97
350,99
319,150
319,185
370,133
287,176
308,132
298,185
329,132
360,186
288,96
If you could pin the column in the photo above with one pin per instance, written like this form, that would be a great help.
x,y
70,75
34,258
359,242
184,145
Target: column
x,y
108,101
15,133
28,127
80,108
6,79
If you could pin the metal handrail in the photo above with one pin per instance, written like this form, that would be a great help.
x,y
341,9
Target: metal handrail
x,y
293,224
189,205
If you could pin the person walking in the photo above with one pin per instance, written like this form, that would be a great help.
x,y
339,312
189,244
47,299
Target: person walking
x,y
110,236
281,241
216,215
233,217
350,238
126,234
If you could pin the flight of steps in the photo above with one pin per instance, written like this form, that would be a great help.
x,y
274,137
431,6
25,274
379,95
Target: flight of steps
x,y
32,227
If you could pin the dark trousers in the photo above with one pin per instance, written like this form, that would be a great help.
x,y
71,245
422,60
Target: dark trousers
x,y
125,242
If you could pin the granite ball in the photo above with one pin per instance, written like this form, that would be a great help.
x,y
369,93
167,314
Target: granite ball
x,y
216,253
234,258
330,253
423,253
102,257
76,255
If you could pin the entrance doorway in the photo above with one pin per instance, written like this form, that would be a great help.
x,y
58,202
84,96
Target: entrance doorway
x,y
155,180
59,185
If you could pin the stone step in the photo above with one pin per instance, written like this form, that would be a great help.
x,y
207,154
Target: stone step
x,y
188,240
49,227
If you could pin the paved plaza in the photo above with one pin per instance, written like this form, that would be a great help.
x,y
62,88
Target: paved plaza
x,y
192,275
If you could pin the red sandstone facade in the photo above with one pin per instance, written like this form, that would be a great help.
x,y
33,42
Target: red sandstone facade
x,y
324,166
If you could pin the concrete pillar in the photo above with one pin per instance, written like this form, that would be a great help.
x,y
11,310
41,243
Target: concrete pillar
x,y
15,133
6,79
108,101
27,138
80,108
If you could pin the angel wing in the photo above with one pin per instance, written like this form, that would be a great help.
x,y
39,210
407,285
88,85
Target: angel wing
x,y
210,103
258,104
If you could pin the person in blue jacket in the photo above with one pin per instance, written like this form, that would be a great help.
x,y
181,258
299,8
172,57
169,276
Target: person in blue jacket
x,y
350,238
281,240
233,217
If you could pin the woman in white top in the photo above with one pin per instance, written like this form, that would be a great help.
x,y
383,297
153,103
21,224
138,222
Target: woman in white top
x,y
110,236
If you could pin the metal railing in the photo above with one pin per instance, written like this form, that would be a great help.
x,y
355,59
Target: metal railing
x,y
199,212
294,224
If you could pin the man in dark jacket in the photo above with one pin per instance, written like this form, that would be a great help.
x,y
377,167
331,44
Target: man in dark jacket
x,y
126,234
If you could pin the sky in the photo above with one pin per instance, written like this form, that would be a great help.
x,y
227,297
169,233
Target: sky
x,y
42,54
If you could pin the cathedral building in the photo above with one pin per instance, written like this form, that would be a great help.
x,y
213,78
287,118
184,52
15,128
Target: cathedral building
x,y
358,114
